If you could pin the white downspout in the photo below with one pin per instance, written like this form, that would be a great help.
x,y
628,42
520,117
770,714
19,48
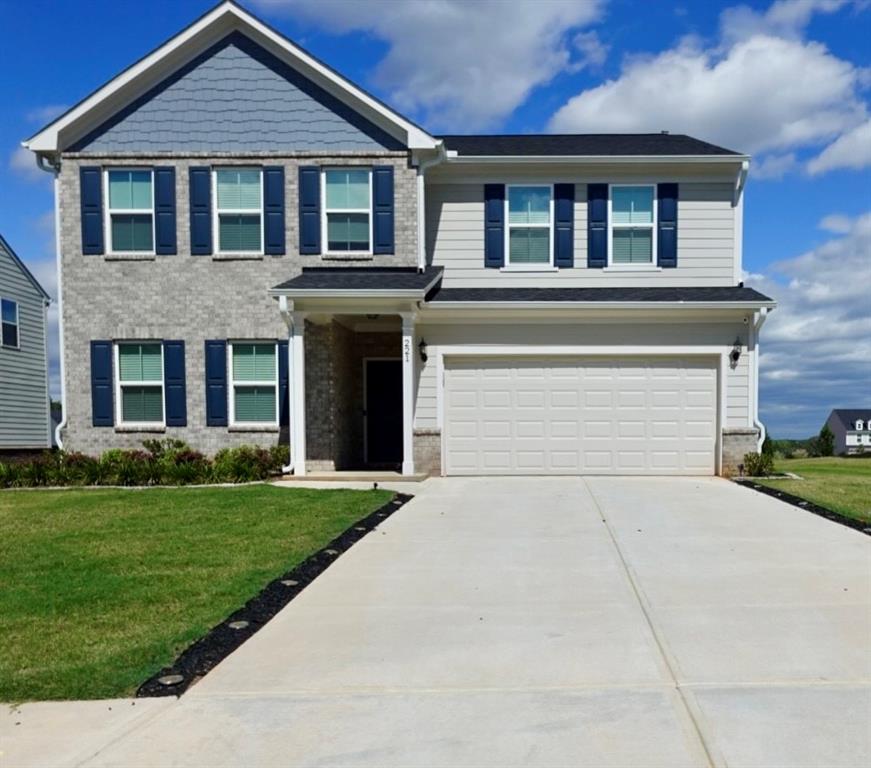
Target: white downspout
x,y
286,309
421,204
54,169
758,321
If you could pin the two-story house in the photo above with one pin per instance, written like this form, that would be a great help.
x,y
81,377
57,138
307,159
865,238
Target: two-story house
x,y
25,423
253,249
852,430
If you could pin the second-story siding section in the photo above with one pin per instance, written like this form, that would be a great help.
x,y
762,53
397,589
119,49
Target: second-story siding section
x,y
706,231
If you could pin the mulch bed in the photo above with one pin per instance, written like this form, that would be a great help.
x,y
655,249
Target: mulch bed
x,y
809,506
220,641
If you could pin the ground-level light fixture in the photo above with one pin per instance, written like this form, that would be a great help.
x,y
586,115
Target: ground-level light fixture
x,y
422,349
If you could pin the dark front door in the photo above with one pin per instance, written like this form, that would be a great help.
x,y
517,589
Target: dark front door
x,y
384,411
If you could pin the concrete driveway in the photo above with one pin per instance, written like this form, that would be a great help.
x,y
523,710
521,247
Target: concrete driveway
x,y
559,622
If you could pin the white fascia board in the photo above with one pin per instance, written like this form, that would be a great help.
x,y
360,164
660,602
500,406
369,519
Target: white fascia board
x,y
176,52
453,306
346,293
452,157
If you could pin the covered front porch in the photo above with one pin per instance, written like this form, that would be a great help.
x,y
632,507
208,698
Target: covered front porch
x,y
352,356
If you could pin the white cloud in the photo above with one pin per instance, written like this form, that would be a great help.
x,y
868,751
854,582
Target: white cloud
x,y
593,51
852,150
785,18
816,346
774,166
837,223
22,162
460,65
750,98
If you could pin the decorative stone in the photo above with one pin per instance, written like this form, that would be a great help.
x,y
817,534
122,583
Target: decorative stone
x,y
170,679
331,552
360,528
289,582
241,624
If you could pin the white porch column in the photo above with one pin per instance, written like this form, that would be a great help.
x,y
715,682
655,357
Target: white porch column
x,y
408,392
296,382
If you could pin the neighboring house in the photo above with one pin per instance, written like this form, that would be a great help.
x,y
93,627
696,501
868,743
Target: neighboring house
x,y
254,249
852,430
24,401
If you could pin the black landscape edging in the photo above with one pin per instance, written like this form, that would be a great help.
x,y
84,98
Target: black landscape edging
x,y
808,506
220,641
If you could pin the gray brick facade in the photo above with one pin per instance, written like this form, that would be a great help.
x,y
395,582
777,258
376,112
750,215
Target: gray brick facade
x,y
193,298
737,443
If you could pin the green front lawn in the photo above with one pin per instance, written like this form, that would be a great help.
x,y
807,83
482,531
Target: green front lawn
x,y
842,485
99,589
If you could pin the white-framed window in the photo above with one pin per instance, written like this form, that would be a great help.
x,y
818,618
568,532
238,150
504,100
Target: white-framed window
x,y
632,233
130,210
238,222
253,383
346,223
859,425
139,383
9,336
528,225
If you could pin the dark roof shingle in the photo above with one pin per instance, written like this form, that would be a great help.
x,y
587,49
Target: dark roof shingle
x,y
582,144
361,278
656,294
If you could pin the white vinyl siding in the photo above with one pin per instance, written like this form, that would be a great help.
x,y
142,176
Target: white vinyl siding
x,y
239,210
347,210
706,226
254,383
139,391
130,210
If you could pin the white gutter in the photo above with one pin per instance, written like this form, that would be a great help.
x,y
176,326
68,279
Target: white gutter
x,y
452,157
421,203
54,169
521,305
758,321
741,180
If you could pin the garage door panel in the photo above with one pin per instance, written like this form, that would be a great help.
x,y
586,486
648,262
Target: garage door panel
x,y
580,415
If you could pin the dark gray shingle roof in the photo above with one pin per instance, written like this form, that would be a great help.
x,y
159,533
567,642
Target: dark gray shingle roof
x,y
361,278
849,416
725,294
582,144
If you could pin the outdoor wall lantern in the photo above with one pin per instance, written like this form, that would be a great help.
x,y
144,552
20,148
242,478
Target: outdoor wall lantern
x,y
735,354
422,349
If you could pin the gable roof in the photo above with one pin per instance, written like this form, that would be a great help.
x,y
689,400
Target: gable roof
x,y
6,248
584,145
849,416
211,27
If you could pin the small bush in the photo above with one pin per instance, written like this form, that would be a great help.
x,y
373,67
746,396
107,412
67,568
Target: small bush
x,y
127,467
243,464
185,467
80,469
758,464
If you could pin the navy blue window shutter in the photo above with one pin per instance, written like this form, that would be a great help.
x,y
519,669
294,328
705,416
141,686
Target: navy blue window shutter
x,y
273,210
216,383
201,211
494,225
666,245
564,225
91,195
283,387
309,209
102,412
164,211
597,226
382,209
174,384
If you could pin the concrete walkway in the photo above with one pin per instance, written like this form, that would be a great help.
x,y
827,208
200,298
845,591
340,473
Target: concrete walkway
x,y
548,622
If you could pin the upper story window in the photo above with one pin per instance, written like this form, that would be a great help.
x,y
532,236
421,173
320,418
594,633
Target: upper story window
x,y
633,224
347,209
140,383
254,383
859,425
9,317
130,212
528,233
239,210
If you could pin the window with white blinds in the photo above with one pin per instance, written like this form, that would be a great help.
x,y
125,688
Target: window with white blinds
x,y
254,382
140,383
529,225
632,224
239,210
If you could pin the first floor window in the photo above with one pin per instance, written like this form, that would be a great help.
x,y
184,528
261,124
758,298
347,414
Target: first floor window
x,y
140,382
130,210
529,225
9,317
254,374
632,224
239,210
347,205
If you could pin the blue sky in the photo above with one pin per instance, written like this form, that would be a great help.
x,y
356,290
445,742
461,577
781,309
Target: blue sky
x,y
788,82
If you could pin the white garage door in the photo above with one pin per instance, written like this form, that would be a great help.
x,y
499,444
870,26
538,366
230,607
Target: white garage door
x,y
580,416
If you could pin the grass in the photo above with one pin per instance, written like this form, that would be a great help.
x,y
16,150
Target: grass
x,y
842,485
99,589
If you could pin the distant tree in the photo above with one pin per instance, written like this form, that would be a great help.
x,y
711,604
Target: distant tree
x,y
767,446
825,442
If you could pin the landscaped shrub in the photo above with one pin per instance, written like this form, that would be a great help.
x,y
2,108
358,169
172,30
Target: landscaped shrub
x,y
127,467
758,464
185,467
80,469
242,464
